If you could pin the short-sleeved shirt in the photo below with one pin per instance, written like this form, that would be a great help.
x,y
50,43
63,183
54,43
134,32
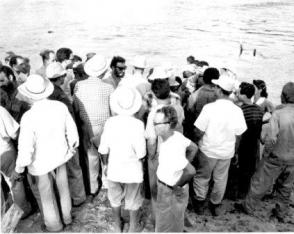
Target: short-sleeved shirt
x,y
123,139
8,130
221,121
172,158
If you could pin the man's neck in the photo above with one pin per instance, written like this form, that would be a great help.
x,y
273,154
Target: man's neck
x,y
168,135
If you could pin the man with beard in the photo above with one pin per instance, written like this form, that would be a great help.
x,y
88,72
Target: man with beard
x,y
13,104
118,67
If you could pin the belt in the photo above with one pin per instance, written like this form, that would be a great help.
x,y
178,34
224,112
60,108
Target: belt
x,y
170,187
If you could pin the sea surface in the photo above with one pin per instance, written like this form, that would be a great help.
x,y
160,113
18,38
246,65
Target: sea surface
x,y
162,30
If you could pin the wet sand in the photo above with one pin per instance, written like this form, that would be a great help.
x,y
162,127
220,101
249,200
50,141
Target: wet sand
x,y
97,217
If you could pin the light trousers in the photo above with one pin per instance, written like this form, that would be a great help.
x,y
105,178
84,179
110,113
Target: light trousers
x,y
43,189
205,169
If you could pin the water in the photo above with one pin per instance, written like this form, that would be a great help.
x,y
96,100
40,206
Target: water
x,y
163,30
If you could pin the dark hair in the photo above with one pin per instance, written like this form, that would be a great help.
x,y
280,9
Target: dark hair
x,y
203,63
288,93
13,60
63,54
179,80
161,88
77,58
247,89
209,74
8,72
45,54
260,84
190,59
117,59
170,114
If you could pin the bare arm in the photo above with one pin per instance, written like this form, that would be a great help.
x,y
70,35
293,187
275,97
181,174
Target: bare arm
x,y
191,151
198,134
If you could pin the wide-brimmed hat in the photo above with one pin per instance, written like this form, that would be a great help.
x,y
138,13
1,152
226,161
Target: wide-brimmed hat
x,y
226,82
55,70
159,73
140,62
36,87
96,66
125,100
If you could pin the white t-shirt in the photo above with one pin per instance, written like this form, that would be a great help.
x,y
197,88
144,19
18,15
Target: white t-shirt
x,y
172,158
221,121
8,130
123,139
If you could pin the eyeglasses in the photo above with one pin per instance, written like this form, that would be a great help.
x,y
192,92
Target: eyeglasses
x,y
121,68
160,123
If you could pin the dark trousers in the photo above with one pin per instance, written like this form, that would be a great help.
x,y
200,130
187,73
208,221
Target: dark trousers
x,y
269,171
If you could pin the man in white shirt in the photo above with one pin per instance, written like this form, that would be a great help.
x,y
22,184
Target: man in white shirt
x,y
9,129
173,173
122,147
218,126
48,139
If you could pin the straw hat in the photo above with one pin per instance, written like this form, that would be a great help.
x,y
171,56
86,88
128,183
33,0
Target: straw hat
x,y
96,66
159,73
125,101
226,82
55,70
140,62
36,87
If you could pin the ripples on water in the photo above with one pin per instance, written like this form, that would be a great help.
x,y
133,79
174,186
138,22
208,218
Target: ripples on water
x,y
165,30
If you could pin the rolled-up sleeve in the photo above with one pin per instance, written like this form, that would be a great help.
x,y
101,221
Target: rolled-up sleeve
x,y
26,143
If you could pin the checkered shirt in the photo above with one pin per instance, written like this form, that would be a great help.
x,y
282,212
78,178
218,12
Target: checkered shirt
x,y
92,98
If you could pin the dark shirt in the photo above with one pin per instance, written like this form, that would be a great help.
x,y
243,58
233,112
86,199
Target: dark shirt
x,y
59,95
250,138
14,105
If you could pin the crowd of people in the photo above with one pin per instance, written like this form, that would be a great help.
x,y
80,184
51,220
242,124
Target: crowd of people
x,y
174,136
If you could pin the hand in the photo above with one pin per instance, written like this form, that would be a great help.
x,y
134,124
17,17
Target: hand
x,y
105,170
235,160
15,176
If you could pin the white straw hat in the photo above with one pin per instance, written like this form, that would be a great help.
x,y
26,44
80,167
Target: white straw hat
x,y
36,87
125,100
55,70
96,66
159,73
226,82
140,62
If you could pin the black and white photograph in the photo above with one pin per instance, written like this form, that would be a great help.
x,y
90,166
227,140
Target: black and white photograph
x,y
147,116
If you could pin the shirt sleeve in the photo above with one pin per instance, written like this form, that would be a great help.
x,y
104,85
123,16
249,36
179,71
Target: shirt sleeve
x,y
11,126
202,120
72,135
104,141
140,146
273,128
241,125
182,161
150,133
26,144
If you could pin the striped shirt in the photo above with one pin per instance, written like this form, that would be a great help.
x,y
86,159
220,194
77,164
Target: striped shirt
x,y
91,97
250,138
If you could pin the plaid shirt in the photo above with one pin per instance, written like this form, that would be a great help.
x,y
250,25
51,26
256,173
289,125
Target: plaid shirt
x,y
91,100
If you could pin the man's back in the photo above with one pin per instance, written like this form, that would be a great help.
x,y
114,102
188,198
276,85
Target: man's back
x,y
220,121
47,132
92,97
282,130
